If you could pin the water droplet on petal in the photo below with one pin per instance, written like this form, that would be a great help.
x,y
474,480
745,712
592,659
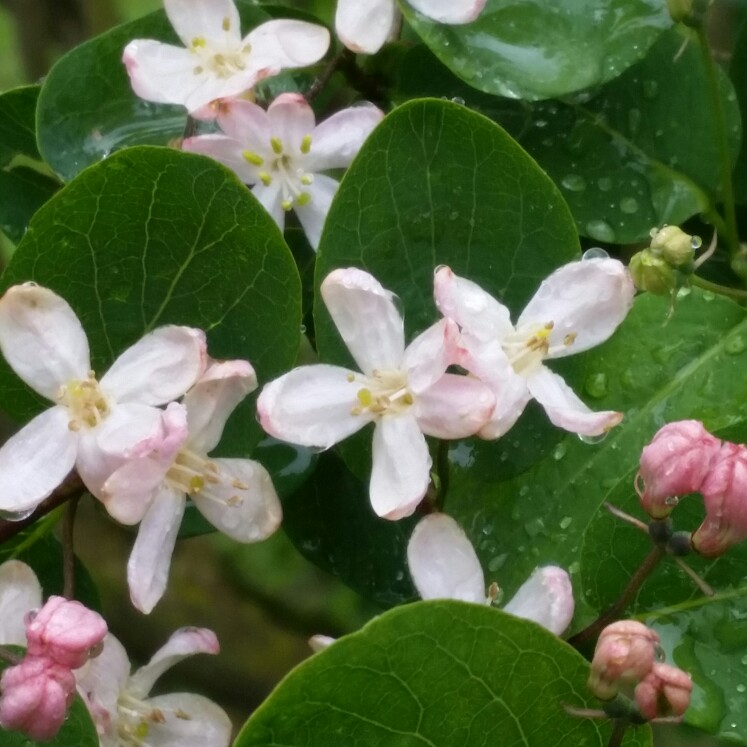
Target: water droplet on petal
x,y
671,500
16,515
592,439
596,252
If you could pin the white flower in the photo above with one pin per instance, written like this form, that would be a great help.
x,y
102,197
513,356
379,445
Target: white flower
x,y
93,423
124,714
365,25
235,495
280,152
404,392
20,592
443,565
576,308
217,62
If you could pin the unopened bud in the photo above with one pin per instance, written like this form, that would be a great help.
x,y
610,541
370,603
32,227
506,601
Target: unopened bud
x,y
673,464
653,273
664,692
675,246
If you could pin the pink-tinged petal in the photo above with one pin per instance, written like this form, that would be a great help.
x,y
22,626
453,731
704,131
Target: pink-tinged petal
x,y
150,560
213,398
454,407
366,26
188,721
430,354
546,597
473,309
20,592
183,643
248,124
565,409
366,317
36,460
442,562
586,302
271,198
291,119
449,11
401,467
225,150
42,338
313,214
287,44
244,504
311,406
336,141
215,21
160,367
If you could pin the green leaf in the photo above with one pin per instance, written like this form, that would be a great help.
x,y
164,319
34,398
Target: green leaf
x,y
17,124
435,673
539,49
153,236
24,191
738,73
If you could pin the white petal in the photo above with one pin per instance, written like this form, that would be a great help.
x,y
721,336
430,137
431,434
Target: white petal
x,y
158,368
213,398
449,11
442,562
225,150
474,310
311,406
454,407
545,597
248,124
313,214
585,300
248,513
337,140
291,119
565,409
20,592
401,467
36,460
205,723
42,338
365,26
183,643
430,354
271,198
215,21
287,44
366,317
150,560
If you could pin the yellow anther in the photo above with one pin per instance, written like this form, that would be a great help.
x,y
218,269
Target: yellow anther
x,y
179,713
265,178
141,732
73,426
226,24
304,198
408,399
365,397
306,144
307,179
253,158
234,500
220,60
350,377
199,41
198,70
569,339
196,484
277,145
239,485
287,205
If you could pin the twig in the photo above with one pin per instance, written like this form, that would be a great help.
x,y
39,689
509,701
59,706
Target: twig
x,y
327,73
697,580
615,511
618,732
68,552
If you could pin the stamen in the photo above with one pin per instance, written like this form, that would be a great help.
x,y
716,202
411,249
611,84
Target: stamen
x,y
277,145
198,70
199,41
303,199
287,205
265,178
226,24
253,158
569,339
307,179
306,144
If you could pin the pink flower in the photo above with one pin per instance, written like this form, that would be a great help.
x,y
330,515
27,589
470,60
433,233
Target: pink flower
x,y
675,463
217,62
665,691
578,307
405,392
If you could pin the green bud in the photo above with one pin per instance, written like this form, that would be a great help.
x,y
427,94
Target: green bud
x,y
653,273
674,245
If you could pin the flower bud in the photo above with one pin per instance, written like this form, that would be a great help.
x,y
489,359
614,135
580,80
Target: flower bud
x,y
673,464
665,691
625,653
724,490
676,247
652,273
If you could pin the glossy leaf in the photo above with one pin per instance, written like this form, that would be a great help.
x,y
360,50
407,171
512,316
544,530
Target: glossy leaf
x,y
538,49
435,673
24,191
738,74
17,124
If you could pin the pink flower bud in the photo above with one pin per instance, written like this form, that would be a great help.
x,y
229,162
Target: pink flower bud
x,y
35,697
65,631
665,691
625,654
725,492
675,463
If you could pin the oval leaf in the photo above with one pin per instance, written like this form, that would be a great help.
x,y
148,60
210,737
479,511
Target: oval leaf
x,y
18,124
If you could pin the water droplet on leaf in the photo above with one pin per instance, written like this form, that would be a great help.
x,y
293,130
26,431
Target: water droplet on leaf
x,y
596,385
574,182
600,230
629,205
735,345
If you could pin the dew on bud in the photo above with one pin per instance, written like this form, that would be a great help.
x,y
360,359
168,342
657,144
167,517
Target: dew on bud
x,y
671,500
596,252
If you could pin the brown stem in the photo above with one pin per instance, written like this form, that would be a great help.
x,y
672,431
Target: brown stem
x,y
68,553
327,73
9,656
618,732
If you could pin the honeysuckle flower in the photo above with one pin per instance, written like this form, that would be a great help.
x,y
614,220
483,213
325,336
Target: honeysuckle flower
x,y
365,25
664,692
576,308
281,152
235,495
216,62
124,714
92,422
405,392
443,565
20,592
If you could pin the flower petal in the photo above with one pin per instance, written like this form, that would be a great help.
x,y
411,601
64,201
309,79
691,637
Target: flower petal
x,y
366,317
244,505
291,119
42,338
337,140
287,44
449,11
311,406
401,467
545,597
215,21
430,354
565,409
20,592
158,368
313,214
225,150
271,197
585,301
365,27
248,124
442,562
36,460
150,560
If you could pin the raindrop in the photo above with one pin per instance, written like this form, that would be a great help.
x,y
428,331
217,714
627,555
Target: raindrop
x,y
497,563
574,568
596,385
534,526
574,182
458,100
559,451
741,688
696,242
565,522
524,490
16,515
604,184
735,345
596,252
650,89
744,660
540,123
600,230
671,500
592,439
708,295
634,120
629,205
